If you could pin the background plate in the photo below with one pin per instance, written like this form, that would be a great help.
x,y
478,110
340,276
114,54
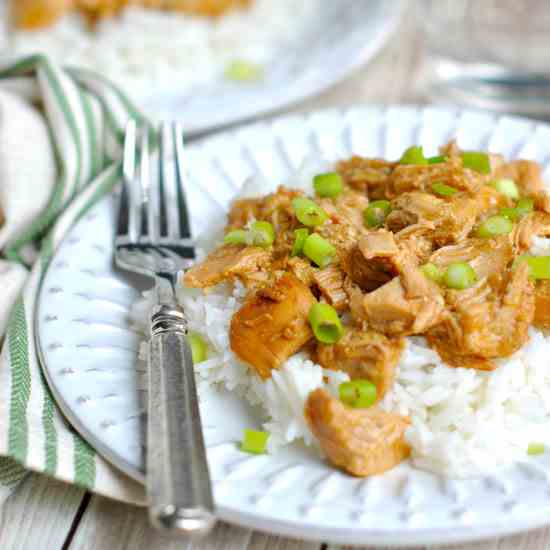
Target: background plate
x,y
90,353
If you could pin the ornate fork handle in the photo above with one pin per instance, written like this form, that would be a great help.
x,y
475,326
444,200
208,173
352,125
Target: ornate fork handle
x,y
178,479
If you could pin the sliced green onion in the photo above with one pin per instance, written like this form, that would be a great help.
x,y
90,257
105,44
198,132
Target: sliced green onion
x,y
507,187
459,275
325,323
437,159
300,236
376,213
511,213
359,394
199,349
238,236
539,266
318,250
444,190
328,185
493,226
254,442
476,160
413,155
535,448
242,70
524,206
308,212
261,234
433,272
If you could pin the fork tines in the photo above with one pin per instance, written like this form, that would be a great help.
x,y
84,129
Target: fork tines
x,y
154,213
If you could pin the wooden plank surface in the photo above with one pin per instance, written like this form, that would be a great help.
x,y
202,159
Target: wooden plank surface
x,y
111,525
39,515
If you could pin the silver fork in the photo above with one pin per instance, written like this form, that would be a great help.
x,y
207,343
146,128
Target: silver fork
x,y
154,239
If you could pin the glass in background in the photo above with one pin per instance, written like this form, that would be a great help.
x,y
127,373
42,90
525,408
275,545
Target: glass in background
x,y
491,54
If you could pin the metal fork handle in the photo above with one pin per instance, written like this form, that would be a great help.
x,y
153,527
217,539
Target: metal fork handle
x,y
178,480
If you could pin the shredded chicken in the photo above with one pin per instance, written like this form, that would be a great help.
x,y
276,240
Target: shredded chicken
x,y
542,304
364,354
272,325
362,442
382,291
227,262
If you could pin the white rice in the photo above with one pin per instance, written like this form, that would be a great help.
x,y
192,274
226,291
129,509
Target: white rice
x,y
145,50
465,422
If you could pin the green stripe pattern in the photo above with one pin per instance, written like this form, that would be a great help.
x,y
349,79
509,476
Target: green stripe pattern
x,y
86,116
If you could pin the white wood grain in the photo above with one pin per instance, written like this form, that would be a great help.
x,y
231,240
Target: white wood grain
x,y
114,526
39,515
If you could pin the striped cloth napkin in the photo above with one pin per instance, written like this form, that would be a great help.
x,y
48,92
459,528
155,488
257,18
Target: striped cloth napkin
x,y
84,116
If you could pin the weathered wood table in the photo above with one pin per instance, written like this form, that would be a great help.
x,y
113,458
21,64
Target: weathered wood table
x,y
48,515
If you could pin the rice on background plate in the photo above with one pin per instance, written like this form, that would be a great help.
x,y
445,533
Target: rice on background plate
x,y
464,422
145,50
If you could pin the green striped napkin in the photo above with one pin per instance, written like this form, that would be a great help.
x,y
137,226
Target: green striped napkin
x,y
86,115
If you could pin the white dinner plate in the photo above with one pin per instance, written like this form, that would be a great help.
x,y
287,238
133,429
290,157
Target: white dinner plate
x,y
347,35
90,353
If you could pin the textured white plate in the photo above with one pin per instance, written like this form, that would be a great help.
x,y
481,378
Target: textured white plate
x,y
347,34
90,354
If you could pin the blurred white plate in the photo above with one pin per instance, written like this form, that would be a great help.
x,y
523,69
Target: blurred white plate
x,y
348,33
90,354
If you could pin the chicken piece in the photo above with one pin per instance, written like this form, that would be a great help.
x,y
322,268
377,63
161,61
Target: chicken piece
x,y
371,262
488,257
362,442
330,282
389,310
347,208
406,178
416,239
477,331
542,304
35,14
227,262
303,270
242,212
209,8
535,223
370,175
95,10
364,354
451,220
272,325
526,174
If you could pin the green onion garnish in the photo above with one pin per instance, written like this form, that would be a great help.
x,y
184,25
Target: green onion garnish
x,y
507,187
238,236
443,190
431,271
359,394
318,250
300,236
308,212
459,275
328,185
254,442
493,226
199,349
437,159
325,323
535,449
539,266
242,70
475,160
261,234
523,207
376,213
413,155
